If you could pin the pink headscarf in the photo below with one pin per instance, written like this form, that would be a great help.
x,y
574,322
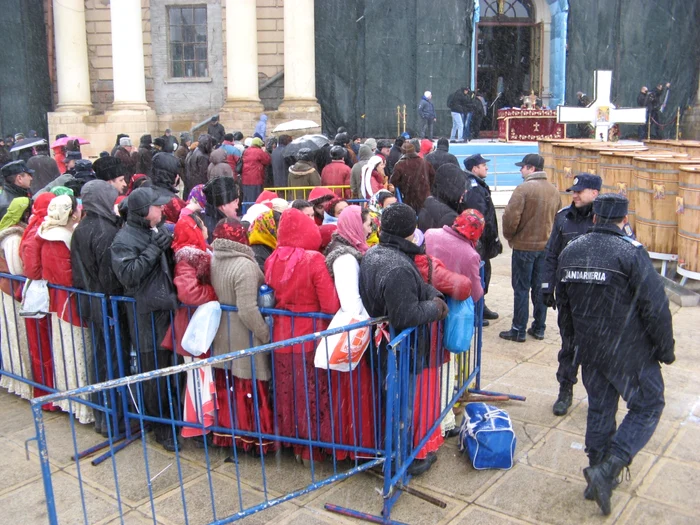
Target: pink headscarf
x,y
350,228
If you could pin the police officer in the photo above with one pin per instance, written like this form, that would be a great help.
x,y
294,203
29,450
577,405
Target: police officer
x,y
569,223
614,310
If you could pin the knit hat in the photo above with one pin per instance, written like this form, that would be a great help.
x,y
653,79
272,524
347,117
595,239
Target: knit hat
x,y
107,168
257,142
469,224
197,193
220,191
232,230
372,143
399,219
407,148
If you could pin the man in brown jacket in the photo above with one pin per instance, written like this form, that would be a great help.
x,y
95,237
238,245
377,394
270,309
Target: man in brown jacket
x,y
527,223
413,176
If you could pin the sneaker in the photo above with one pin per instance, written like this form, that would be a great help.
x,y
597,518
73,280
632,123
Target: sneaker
x,y
489,314
421,466
535,333
512,335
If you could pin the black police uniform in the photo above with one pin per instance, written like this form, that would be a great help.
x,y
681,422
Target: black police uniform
x,y
614,309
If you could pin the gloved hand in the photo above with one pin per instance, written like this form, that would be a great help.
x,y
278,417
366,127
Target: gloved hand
x,y
162,239
442,308
667,356
548,300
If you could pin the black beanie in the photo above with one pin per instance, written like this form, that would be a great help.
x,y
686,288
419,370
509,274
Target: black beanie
x,y
220,190
399,219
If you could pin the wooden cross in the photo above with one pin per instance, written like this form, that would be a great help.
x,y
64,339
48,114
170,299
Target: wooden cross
x,y
601,113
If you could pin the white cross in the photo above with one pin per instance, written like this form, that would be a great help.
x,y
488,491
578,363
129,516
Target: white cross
x,y
601,113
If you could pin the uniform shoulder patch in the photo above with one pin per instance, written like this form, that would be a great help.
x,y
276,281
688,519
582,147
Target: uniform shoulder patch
x,y
474,183
633,242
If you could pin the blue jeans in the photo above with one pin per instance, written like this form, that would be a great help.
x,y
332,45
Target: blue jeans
x,y
526,270
467,125
457,126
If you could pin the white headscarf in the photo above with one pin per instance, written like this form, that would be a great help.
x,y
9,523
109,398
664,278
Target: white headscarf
x,y
367,169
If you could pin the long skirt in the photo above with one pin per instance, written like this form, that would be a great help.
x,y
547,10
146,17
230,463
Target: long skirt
x,y
426,409
73,364
14,348
39,338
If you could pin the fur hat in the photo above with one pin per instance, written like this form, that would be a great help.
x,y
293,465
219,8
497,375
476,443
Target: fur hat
x,y
107,168
407,148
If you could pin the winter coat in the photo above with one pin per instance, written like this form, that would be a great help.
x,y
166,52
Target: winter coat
x,y
196,168
144,160
479,198
170,143
426,110
442,207
45,170
529,215
457,102
261,252
441,156
128,160
356,172
279,167
302,174
414,177
181,156
445,281
457,254
261,127
91,256
9,193
337,174
254,161
394,156
612,303
237,279
308,289
435,214
218,167
217,132
343,263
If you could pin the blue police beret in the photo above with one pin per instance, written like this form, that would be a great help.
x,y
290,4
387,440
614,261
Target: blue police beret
x,y
610,206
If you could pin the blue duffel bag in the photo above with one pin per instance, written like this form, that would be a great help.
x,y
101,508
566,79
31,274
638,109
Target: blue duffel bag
x,y
487,435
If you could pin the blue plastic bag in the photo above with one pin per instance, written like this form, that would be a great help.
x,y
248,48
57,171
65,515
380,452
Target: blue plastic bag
x,y
459,325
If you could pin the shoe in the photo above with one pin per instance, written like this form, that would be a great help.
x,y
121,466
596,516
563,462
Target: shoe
x,y
563,402
489,314
536,334
512,335
601,481
485,322
168,443
593,460
421,466
452,433
198,441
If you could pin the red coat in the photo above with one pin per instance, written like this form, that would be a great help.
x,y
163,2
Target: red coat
x,y
254,161
309,288
434,272
337,173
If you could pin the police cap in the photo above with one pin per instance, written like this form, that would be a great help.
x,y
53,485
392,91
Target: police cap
x,y
610,206
584,181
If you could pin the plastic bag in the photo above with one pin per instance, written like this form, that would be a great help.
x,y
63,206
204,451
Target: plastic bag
x,y
35,299
343,351
459,325
202,328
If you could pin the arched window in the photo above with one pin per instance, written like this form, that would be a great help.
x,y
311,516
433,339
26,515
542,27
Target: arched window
x,y
506,11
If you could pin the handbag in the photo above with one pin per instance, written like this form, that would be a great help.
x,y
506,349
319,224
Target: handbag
x,y
202,328
343,351
459,325
35,299
487,435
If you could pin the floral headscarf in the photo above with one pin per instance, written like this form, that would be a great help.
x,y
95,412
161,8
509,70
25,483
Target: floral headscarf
x,y
264,230
14,213
470,224
231,229
377,200
197,194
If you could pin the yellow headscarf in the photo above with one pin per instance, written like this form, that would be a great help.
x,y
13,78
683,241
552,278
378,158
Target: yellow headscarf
x,y
264,230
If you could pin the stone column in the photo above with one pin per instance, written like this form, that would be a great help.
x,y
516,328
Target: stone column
x,y
72,72
299,52
242,53
127,55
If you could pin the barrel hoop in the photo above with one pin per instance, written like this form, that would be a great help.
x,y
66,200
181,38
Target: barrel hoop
x,y
615,166
650,170
690,235
660,223
690,187
644,190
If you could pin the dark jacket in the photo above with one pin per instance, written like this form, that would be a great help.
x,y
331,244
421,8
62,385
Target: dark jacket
x,y
144,156
170,143
570,222
479,198
279,167
217,132
442,207
10,192
128,160
457,102
45,170
426,110
197,166
612,302
441,156
414,177
394,156
261,253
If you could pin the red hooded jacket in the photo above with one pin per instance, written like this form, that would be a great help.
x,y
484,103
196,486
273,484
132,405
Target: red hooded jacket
x,y
254,161
337,173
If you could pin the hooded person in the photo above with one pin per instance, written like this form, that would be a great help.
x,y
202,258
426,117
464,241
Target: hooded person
x,y
373,177
364,154
218,167
13,333
165,178
442,207
82,175
441,155
261,127
142,261
222,201
413,176
319,198
426,146
144,156
197,164
303,173
255,158
297,272
262,236
45,169
91,261
237,278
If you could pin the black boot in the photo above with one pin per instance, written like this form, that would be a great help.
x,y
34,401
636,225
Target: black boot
x,y
594,458
489,314
601,480
563,402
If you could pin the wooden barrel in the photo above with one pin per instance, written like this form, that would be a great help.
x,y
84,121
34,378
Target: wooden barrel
x,y
688,209
669,145
691,147
566,166
545,149
656,188
616,170
589,155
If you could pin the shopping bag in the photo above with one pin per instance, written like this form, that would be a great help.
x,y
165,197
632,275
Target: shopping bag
x,y
35,299
202,328
459,325
343,351
487,435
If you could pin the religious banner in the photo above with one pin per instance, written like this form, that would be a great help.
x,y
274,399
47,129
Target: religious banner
x,y
529,125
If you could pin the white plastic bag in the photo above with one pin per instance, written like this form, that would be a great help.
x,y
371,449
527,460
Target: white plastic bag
x,y
333,352
35,299
202,328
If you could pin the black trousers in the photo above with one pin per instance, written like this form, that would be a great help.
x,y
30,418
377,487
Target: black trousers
x,y
643,390
487,275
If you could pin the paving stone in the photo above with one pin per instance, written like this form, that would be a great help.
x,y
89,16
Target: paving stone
x,y
536,409
494,367
679,405
133,517
17,414
313,517
673,483
16,469
684,446
546,498
536,378
475,515
641,511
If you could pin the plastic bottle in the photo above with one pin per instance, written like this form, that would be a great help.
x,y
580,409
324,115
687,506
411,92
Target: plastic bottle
x,y
266,299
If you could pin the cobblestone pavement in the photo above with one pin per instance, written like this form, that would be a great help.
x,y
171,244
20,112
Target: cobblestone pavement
x,y
545,485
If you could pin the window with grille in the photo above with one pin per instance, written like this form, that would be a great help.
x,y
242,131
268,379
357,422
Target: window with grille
x,y
187,40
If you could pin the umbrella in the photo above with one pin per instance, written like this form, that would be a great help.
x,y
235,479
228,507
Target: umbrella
x,y
64,140
291,150
319,140
293,125
28,143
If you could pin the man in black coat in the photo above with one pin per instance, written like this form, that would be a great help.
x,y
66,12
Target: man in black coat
x,y
614,309
479,198
144,156
216,130
394,156
17,179
569,223
197,164
45,169
170,141
442,207
280,169
142,261
441,155
457,103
